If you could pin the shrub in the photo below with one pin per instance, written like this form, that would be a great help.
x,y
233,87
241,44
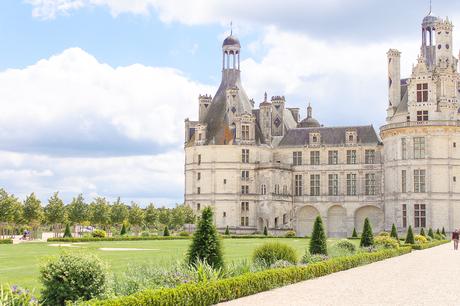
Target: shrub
x,y
89,238
394,233
308,258
290,234
166,232
72,277
438,236
420,239
386,242
318,238
99,233
443,232
346,245
123,229
16,296
6,241
355,234
271,252
184,234
430,233
227,231
438,232
67,233
384,234
422,232
429,244
410,236
206,245
281,264
145,234
367,237
265,231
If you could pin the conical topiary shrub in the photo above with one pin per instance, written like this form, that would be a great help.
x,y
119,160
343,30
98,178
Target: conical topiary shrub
x,y
422,232
430,233
227,232
410,236
206,245
123,229
265,231
318,241
438,232
67,233
443,231
166,231
367,237
394,232
355,234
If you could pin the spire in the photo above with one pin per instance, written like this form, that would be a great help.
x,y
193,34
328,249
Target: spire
x,y
265,97
231,23
430,9
309,110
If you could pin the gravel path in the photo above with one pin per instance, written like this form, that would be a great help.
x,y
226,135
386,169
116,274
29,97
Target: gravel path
x,y
428,277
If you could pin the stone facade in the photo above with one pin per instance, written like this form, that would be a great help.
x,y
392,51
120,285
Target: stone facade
x,y
266,167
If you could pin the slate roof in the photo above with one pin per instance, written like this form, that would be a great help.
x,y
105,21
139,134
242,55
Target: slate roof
x,y
402,107
329,135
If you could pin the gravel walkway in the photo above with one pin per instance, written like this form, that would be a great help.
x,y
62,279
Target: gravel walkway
x,y
428,277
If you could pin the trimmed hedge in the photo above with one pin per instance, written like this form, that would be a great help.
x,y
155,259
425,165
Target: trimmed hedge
x,y
6,241
210,293
428,244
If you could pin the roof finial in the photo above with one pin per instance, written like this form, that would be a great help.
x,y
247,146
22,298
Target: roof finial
x,y
309,109
430,9
231,24
265,97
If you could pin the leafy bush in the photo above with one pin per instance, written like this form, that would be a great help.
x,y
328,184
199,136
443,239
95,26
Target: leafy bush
x,y
437,231
384,234
16,296
410,236
265,231
290,234
367,237
99,233
123,229
430,233
443,232
355,234
422,232
346,245
438,236
394,233
386,242
420,239
206,245
227,231
271,252
184,234
427,245
145,234
6,241
67,233
248,283
119,238
308,258
72,277
318,238
166,232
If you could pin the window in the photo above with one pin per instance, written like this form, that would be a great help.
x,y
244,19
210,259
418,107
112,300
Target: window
x,y
403,181
246,221
242,221
455,144
224,214
245,156
198,190
276,222
245,175
225,181
370,183
284,218
419,181
333,157
198,176
404,215
285,189
263,189
277,189
296,158
419,215
244,189
351,157
333,184
199,136
369,156
199,159
351,184
314,157
422,115
419,147
198,206
245,132
314,185
403,148
298,185
422,92
244,206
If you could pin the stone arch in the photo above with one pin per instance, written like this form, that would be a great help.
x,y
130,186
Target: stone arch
x,y
336,221
305,219
375,215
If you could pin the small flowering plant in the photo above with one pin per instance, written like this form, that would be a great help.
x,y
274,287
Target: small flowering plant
x,y
16,296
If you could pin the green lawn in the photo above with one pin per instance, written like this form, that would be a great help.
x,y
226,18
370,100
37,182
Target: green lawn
x,y
19,263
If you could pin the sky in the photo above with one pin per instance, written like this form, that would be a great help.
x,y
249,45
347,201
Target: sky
x,y
94,93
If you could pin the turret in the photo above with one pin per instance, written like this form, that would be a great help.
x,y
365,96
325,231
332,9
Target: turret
x,y
265,119
428,49
204,103
394,80
278,103
444,58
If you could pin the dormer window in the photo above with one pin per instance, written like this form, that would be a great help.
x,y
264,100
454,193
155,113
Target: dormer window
x,y
422,92
315,138
351,136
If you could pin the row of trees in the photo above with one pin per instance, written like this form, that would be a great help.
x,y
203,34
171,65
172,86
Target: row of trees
x,y
15,213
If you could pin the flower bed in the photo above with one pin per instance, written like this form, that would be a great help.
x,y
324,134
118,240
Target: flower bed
x,y
6,241
209,293
428,244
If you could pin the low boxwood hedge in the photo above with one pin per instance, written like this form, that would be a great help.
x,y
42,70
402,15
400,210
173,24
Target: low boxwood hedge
x,y
428,244
210,293
6,241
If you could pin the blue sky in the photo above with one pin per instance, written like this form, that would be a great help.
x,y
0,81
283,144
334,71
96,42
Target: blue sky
x,y
94,92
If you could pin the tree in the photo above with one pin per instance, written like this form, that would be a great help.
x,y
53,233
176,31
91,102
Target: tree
x,y
166,231
367,237
189,215
78,211
123,229
67,233
443,231
177,217
136,216
318,238
410,236
151,216
55,213
100,212
33,212
119,213
430,233
265,231
227,231
206,244
355,234
422,232
394,233
163,216
7,214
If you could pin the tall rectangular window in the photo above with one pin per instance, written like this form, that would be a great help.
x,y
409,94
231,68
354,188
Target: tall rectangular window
x,y
245,132
199,159
419,147
297,158
314,157
198,190
351,184
285,189
245,175
351,157
422,92
333,184
404,215
298,182
263,189
419,181
245,156
244,206
244,189
198,176
403,181
419,215
277,189
370,184
315,185
242,221
333,157
403,148
369,156
422,115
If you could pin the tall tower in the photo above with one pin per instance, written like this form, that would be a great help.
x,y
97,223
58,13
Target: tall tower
x,y
394,80
265,119
278,115
444,44
428,49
